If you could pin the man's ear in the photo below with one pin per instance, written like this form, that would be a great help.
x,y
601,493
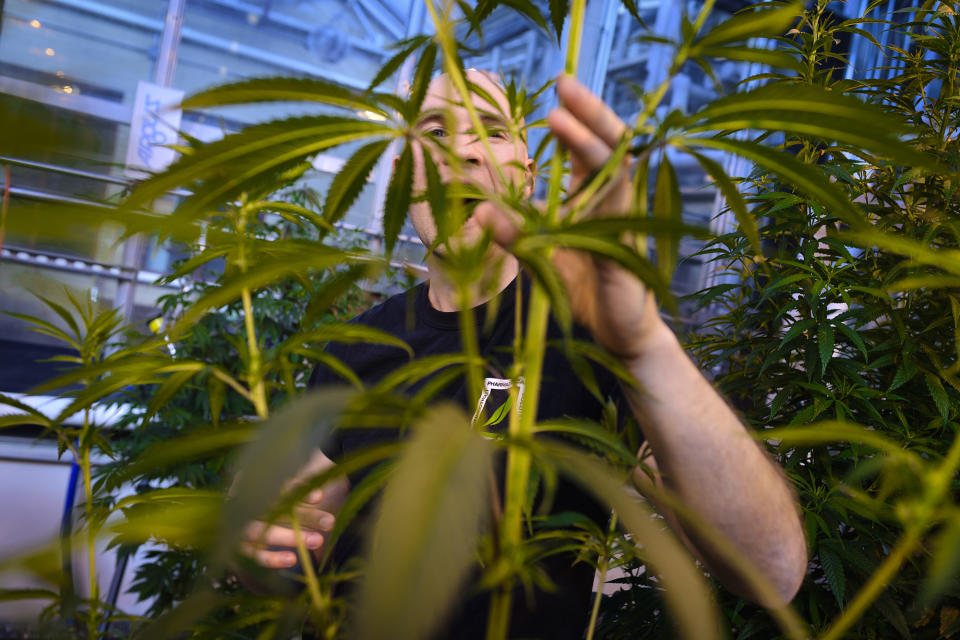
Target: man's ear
x,y
530,169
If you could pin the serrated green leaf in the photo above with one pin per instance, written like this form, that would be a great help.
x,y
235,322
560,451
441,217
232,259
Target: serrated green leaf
x,y
943,564
825,344
812,111
772,58
398,198
634,10
525,8
946,259
430,518
939,395
437,199
297,259
280,89
169,388
13,595
394,63
65,315
217,395
299,214
558,13
350,180
421,79
806,178
602,439
198,444
417,370
349,334
795,329
734,199
755,23
913,283
231,164
834,431
854,338
667,205
833,570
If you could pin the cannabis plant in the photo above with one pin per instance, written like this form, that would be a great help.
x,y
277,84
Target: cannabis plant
x,y
436,482
829,321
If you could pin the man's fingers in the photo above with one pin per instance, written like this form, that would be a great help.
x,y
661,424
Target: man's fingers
x,y
590,110
502,227
269,559
581,141
259,534
315,519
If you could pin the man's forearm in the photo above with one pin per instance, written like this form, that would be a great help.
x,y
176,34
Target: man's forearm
x,y
707,457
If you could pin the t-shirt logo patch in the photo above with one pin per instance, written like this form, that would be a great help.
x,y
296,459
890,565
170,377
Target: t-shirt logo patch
x,y
497,392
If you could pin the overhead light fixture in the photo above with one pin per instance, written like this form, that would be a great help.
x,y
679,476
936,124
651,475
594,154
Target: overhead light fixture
x,y
67,89
49,51
35,23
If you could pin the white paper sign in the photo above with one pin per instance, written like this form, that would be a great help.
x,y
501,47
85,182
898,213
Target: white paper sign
x,y
153,124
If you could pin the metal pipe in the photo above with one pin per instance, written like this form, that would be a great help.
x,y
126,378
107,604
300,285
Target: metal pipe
x,y
169,41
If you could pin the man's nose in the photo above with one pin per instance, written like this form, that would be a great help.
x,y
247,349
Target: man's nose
x,y
468,149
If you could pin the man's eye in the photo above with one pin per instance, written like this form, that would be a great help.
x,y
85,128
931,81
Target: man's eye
x,y
437,132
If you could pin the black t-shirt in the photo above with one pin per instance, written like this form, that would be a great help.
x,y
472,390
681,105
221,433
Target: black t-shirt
x,y
409,316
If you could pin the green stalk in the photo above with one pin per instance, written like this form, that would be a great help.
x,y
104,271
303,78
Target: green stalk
x,y
602,570
93,616
468,339
255,374
534,347
309,574
574,36
909,543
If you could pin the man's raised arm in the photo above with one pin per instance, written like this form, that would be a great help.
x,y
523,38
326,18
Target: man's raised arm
x,y
703,451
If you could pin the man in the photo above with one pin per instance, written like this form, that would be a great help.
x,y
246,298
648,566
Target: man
x,y
701,450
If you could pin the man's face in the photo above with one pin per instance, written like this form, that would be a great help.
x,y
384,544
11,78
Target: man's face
x,y
442,106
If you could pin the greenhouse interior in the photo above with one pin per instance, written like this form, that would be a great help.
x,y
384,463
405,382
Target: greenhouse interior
x,y
480,318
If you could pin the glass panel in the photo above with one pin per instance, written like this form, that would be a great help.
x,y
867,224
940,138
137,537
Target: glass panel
x,y
228,41
85,143
65,45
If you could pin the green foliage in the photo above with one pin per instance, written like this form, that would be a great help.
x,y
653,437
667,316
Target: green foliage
x,y
855,324
839,308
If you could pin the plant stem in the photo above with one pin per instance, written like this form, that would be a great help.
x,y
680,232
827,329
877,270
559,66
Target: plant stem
x,y
255,373
534,347
468,342
577,9
94,596
602,570
306,559
255,376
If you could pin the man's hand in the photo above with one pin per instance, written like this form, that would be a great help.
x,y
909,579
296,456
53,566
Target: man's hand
x,y
605,298
275,546
706,456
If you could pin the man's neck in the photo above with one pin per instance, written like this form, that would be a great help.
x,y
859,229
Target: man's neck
x,y
444,295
